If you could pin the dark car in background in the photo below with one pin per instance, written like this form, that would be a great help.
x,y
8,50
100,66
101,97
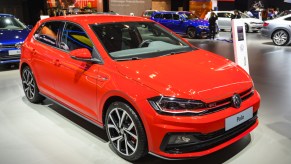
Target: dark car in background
x,y
12,35
182,24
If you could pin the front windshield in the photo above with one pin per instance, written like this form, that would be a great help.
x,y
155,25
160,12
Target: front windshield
x,y
10,23
137,40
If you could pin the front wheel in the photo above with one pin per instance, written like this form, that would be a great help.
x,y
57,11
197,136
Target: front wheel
x,y
191,33
280,37
30,87
125,131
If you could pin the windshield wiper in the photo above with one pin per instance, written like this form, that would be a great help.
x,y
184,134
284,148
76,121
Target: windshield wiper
x,y
179,52
125,59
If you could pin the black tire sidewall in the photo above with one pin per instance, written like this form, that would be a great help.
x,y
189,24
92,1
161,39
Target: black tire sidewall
x,y
142,141
191,29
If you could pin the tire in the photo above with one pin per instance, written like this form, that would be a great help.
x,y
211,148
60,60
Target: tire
x,y
30,87
247,28
125,132
280,37
191,33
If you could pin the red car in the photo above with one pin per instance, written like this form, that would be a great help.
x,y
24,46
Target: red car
x,y
152,93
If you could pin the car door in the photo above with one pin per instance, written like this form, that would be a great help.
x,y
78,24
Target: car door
x,y
167,20
44,55
224,21
76,81
178,24
288,24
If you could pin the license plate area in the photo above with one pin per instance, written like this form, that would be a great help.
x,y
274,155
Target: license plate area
x,y
238,119
14,52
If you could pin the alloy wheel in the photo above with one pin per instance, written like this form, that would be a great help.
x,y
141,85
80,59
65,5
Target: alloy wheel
x,y
280,38
191,33
28,84
122,131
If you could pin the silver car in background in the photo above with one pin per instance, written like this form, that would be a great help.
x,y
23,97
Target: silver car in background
x,y
279,30
224,21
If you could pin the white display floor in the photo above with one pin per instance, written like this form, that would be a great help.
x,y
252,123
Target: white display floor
x,y
48,134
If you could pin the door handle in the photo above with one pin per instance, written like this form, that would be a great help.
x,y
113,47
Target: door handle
x,y
102,78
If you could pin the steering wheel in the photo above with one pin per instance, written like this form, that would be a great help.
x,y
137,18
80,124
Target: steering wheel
x,y
144,43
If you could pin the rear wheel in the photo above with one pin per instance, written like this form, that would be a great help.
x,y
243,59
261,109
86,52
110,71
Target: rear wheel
x,y
191,33
280,37
30,87
125,131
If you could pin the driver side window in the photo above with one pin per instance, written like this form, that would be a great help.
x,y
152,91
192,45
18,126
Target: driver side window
x,y
74,37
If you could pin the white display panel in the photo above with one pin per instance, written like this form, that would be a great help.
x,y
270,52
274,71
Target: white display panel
x,y
240,44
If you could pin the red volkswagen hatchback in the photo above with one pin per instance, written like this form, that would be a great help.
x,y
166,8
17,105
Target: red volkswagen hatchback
x,y
151,90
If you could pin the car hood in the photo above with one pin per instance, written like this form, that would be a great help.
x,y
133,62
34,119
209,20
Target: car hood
x,y
200,22
13,36
199,75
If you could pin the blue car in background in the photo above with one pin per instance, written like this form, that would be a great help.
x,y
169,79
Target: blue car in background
x,y
182,23
12,35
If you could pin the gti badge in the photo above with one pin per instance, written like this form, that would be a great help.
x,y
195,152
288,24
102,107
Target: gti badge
x,y
236,101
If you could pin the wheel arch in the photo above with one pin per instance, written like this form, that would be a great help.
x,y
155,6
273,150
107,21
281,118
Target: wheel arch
x,y
284,29
115,98
22,66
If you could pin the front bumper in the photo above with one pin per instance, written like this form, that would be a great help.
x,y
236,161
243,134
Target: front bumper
x,y
203,33
7,57
265,32
208,129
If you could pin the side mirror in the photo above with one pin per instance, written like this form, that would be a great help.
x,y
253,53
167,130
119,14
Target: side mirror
x,y
83,54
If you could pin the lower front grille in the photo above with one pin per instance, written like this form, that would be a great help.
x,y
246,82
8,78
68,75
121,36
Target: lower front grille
x,y
207,141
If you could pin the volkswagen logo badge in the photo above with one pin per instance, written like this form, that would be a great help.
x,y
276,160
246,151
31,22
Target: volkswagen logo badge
x,y
236,101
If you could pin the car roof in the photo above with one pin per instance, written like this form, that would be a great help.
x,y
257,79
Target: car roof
x,y
6,15
92,19
168,12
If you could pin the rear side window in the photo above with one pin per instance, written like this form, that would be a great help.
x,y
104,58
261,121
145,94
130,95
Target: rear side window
x,y
176,16
158,16
167,16
48,33
74,37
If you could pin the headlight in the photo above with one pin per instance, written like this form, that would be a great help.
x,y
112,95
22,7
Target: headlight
x,y
171,105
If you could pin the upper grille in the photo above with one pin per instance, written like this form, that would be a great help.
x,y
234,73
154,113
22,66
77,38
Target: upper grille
x,y
226,103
